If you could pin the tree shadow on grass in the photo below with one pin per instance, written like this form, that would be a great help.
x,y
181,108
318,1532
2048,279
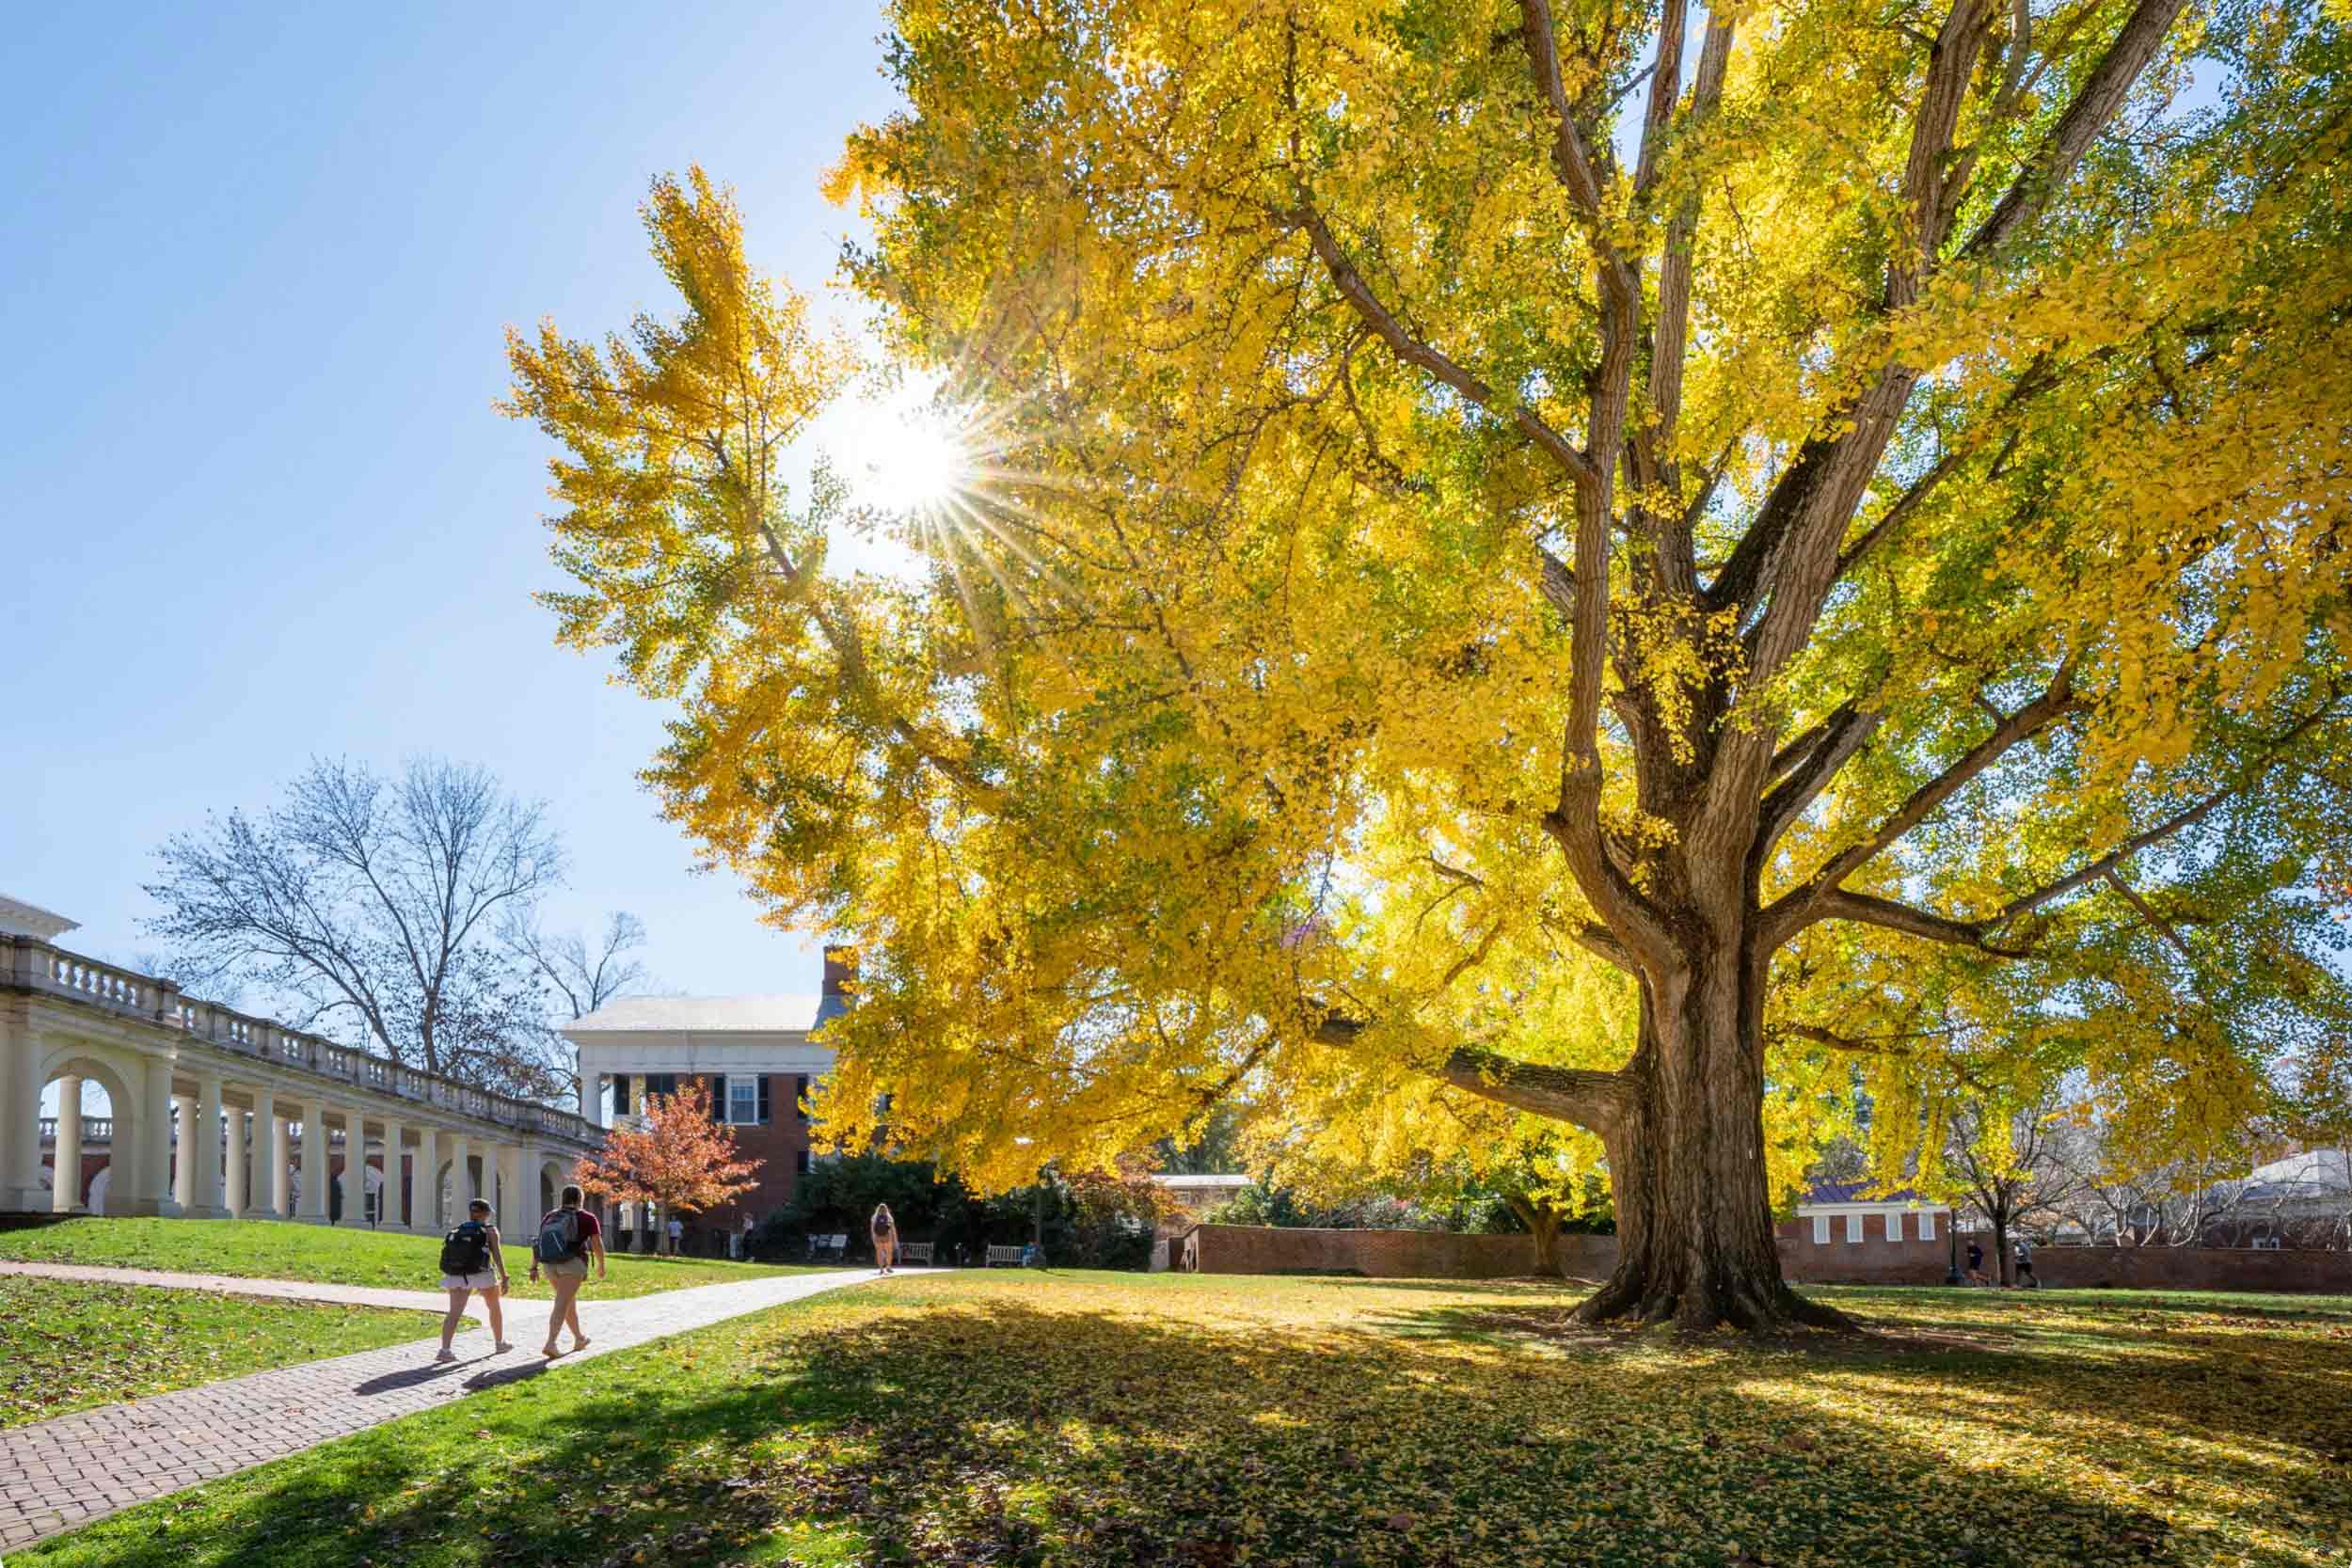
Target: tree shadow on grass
x,y
1017,1434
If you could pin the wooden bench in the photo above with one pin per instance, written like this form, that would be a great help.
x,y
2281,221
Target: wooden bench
x,y
1006,1255
917,1252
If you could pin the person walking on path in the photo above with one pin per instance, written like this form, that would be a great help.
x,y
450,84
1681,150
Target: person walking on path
x,y
473,1259
744,1243
1975,1263
569,1235
885,1238
2026,1279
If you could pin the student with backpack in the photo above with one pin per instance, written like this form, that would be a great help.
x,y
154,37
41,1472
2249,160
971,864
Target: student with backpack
x,y
568,1237
473,1259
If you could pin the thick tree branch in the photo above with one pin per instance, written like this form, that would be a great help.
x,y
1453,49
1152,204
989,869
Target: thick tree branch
x,y
2101,95
1869,910
1593,1100
2051,705
1841,735
1571,159
1410,349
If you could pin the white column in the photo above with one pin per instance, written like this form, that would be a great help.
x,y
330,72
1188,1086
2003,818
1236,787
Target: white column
x,y
523,1193
355,1170
460,1179
236,1188
182,1146
150,1157
65,1177
425,1212
311,1199
395,1211
270,1156
20,1119
200,1144
591,1093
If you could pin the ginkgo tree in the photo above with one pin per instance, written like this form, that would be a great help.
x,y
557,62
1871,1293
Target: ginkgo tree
x,y
1833,514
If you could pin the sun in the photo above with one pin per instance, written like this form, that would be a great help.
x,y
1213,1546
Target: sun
x,y
905,455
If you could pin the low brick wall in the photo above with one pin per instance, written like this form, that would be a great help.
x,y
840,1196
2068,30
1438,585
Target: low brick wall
x,y
1875,1260
2165,1268
1379,1254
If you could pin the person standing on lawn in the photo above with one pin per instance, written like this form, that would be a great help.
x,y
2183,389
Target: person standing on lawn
x,y
1975,1264
677,1232
569,1236
885,1238
473,1259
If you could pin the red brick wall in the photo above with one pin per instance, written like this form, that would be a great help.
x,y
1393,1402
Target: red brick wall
x,y
778,1147
1873,1261
1381,1254
2163,1268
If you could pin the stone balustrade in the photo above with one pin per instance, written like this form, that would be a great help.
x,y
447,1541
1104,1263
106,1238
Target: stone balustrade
x,y
30,964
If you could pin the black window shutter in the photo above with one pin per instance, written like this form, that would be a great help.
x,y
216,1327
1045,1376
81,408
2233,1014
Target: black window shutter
x,y
801,1162
764,1107
718,1086
800,1095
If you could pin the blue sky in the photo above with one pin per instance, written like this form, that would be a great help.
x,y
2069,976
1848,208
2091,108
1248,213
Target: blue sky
x,y
256,267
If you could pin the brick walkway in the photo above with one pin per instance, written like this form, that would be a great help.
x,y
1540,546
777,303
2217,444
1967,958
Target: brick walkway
x,y
62,1474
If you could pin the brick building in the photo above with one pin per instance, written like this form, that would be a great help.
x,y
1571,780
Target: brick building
x,y
756,1055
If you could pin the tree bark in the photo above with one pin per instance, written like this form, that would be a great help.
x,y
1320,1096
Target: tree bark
x,y
1543,1224
1694,1223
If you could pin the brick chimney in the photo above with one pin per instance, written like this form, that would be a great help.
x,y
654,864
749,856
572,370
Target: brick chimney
x,y
840,970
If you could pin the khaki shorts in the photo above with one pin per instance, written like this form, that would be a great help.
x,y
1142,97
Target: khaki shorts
x,y
570,1268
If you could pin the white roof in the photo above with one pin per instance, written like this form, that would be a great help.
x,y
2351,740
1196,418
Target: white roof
x,y
784,1012
19,918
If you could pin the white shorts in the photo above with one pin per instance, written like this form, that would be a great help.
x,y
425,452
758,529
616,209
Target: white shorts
x,y
487,1279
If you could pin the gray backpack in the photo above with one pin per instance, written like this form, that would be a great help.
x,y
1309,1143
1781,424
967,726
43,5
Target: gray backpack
x,y
559,1238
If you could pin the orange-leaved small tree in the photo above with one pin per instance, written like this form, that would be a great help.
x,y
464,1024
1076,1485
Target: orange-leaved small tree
x,y
674,1155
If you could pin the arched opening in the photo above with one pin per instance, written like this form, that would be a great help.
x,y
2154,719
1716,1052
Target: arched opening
x,y
81,1142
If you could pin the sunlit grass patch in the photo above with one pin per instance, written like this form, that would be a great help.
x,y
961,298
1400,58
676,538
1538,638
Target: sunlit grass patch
x,y
66,1346
281,1249
1098,1420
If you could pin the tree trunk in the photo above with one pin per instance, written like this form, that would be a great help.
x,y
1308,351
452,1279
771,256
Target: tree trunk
x,y
2004,1268
1685,1162
1543,1226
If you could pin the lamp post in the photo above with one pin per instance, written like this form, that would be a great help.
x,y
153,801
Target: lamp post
x,y
1951,1234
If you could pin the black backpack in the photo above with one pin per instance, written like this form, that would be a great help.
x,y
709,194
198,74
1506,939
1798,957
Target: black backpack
x,y
467,1249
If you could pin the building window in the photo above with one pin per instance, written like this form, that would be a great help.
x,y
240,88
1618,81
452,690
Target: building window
x,y
663,1083
1821,1231
1854,1228
1927,1224
743,1100
1894,1225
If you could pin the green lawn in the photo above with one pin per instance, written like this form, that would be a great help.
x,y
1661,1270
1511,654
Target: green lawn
x,y
278,1249
66,1346
1099,1420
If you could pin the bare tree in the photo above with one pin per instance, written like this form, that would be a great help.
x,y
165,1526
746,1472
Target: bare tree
x,y
369,907
582,978
2008,1181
